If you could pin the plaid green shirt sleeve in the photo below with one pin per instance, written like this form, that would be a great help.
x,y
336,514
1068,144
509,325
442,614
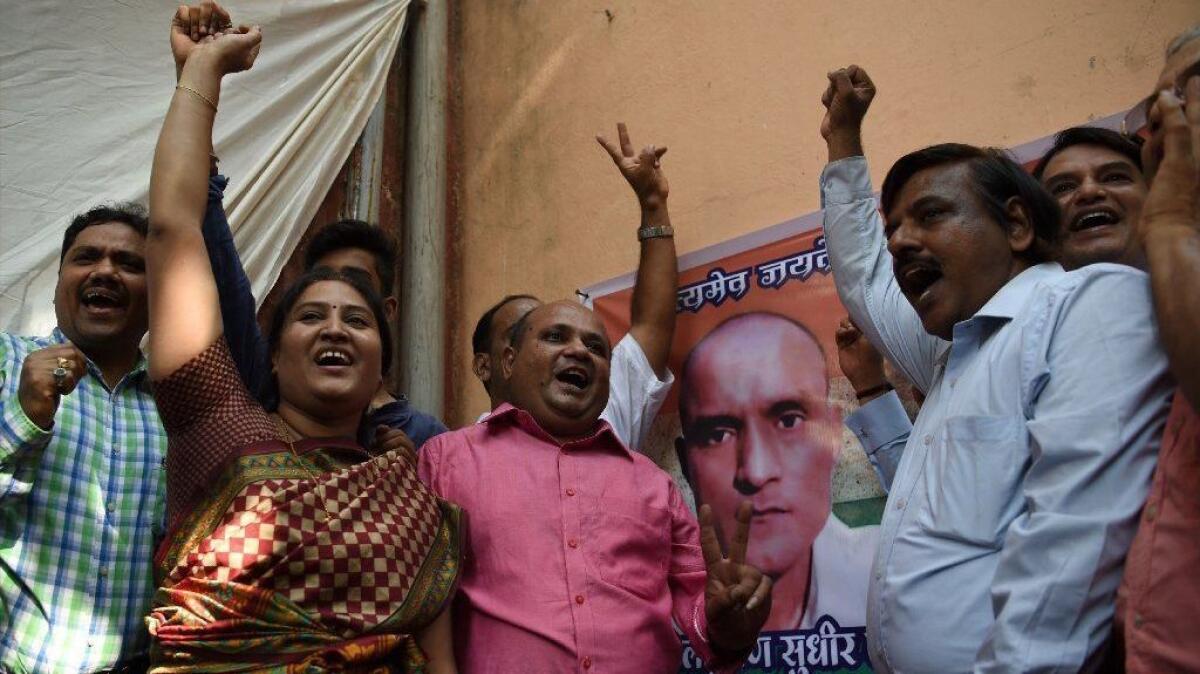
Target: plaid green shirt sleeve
x,y
21,441
81,509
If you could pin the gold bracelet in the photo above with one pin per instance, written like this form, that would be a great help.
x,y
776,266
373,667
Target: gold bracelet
x,y
198,94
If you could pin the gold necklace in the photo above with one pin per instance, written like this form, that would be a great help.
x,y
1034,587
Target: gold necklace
x,y
285,430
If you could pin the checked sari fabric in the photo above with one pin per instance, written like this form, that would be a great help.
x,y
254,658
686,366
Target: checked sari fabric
x,y
267,569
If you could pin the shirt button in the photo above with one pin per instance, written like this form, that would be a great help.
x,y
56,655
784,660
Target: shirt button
x,y
900,504
110,507
1151,512
573,543
578,599
103,572
1137,620
587,662
570,492
928,439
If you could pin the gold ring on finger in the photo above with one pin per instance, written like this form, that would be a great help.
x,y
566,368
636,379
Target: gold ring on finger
x,y
60,377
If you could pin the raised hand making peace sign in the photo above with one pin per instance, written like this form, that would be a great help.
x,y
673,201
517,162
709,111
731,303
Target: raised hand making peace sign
x,y
643,170
737,598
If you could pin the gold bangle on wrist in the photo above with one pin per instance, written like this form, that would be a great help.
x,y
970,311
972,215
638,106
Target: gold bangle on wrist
x,y
198,95
655,232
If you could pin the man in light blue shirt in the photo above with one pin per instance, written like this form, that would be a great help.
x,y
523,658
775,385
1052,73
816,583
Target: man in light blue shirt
x,y
1016,496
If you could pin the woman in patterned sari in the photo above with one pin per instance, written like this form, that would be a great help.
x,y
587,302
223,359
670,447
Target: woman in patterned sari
x,y
290,547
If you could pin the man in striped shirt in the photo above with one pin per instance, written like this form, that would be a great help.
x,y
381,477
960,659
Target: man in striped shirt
x,y
81,449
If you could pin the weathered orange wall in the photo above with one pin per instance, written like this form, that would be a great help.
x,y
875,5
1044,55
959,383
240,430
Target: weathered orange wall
x,y
733,89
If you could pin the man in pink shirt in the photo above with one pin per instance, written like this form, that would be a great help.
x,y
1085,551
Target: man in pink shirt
x,y
1160,592
580,551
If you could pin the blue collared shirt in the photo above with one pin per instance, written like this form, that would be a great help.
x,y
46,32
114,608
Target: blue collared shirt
x,y
1017,494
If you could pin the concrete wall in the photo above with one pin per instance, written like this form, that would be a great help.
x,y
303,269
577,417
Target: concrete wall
x,y
733,89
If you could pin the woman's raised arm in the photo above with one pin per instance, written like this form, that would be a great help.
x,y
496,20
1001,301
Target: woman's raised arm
x,y
185,315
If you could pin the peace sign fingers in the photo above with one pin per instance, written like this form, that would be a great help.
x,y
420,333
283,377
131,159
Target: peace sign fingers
x,y
709,545
741,539
623,135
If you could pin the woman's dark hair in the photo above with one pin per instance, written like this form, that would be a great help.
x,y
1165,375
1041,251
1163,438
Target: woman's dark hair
x,y
996,177
1090,135
129,213
359,282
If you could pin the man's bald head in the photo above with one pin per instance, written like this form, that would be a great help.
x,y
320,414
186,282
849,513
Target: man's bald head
x,y
556,367
734,343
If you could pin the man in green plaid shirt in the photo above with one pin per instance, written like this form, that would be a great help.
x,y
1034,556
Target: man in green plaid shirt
x,y
81,451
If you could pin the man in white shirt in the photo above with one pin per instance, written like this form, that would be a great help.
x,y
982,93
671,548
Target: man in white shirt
x,y
639,380
1016,497
758,426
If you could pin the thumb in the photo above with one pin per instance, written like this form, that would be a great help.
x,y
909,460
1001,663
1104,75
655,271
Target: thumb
x,y
252,34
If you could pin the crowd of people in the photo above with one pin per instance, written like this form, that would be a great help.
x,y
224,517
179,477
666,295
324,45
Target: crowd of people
x,y
228,501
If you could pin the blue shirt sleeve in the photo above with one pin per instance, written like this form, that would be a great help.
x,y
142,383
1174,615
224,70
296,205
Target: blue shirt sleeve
x,y
862,272
882,427
238,310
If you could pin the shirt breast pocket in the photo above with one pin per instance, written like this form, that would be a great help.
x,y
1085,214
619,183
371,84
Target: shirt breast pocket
x,y
978,468
631,547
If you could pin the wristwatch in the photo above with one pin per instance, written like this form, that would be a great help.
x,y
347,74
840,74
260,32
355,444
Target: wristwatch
x,y
655,232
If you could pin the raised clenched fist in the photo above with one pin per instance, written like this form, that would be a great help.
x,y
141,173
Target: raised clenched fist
x,y
846,101
47,375
193,23
860,362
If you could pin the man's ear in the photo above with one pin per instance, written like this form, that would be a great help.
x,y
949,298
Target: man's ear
x,y
481,365
391,306
1021,235
507,361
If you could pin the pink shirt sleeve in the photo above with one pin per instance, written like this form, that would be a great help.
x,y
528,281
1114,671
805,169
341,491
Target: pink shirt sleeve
x,y
428,462
687,577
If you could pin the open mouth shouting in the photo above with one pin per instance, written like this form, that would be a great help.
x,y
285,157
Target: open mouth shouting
x,y
574,379
100,301
919,279
1094,218
333,359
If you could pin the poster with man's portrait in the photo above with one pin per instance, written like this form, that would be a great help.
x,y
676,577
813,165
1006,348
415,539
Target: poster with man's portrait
x,y
756,415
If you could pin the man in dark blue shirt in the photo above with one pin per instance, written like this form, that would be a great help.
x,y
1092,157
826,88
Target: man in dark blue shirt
x,y
347,245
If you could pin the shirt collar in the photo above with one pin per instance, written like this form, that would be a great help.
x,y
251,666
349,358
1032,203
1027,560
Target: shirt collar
x,y
139,367
603,436
1011,298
